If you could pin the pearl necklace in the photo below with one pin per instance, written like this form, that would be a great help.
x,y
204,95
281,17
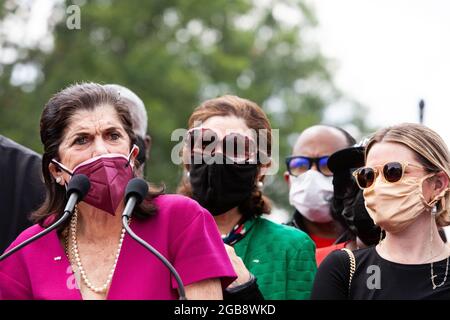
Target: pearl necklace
x,y
76,256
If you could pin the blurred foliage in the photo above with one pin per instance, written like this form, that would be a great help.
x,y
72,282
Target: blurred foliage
x,y
174,54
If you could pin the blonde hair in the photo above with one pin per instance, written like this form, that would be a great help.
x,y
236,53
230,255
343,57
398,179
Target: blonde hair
x,y
431,152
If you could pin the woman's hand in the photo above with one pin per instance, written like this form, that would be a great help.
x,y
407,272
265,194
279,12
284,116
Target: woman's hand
x,y
209,289
239,267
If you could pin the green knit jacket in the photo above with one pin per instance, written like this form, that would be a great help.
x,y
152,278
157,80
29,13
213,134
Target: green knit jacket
x,y
282,258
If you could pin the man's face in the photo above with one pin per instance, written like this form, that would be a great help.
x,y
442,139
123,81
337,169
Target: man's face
x,y
318,142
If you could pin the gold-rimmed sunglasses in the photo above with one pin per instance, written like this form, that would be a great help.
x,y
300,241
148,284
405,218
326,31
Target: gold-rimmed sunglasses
x,y
392,172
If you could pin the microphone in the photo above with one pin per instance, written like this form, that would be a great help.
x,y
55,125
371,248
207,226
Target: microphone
x,y
77,189
135,192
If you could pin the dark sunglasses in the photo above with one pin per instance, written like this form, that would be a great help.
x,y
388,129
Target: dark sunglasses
x,y
392,172
235,146
297,165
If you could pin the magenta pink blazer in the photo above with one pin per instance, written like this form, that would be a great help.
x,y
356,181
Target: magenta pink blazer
x,y
181,230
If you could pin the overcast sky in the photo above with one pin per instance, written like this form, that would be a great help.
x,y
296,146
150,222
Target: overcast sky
x,y
389,54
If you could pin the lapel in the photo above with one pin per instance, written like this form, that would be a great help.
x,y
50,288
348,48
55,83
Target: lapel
x,y
60,272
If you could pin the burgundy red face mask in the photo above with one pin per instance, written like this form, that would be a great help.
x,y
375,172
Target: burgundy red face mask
x,y
109,175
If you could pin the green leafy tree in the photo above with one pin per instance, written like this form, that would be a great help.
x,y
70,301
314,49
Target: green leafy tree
x,y
173,54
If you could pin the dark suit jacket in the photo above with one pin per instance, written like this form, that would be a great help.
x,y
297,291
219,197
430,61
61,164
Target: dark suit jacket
x,y
21,189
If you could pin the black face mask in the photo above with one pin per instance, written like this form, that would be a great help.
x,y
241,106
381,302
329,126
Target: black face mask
x,y
221,187
349,202
359,221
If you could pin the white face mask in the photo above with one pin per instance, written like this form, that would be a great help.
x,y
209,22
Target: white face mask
x,y
310,194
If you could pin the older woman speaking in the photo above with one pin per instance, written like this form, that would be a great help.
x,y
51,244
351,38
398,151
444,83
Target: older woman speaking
x,y
86,128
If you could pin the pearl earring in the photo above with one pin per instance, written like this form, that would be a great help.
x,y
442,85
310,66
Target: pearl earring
x,y
58,179
259,184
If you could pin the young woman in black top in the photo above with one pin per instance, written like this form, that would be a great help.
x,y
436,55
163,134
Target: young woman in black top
x,y
406,192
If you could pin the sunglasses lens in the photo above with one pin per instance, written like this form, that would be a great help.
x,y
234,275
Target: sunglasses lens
x,y
365,177
297,166
323,167
393,171
239,148
201,140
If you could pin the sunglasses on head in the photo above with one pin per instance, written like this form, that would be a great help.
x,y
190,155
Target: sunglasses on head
x,y
391,172
237,147
297,165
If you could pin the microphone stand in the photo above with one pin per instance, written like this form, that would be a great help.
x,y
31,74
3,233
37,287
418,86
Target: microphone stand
x,y
60,221
78,187
181,291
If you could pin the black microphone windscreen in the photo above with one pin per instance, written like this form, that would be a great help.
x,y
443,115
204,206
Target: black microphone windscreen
x,y
136,187
80,184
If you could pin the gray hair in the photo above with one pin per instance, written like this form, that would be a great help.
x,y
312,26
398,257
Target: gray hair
x,y
136,108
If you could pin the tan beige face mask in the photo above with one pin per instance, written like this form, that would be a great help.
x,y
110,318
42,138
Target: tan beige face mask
x,y
394,206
